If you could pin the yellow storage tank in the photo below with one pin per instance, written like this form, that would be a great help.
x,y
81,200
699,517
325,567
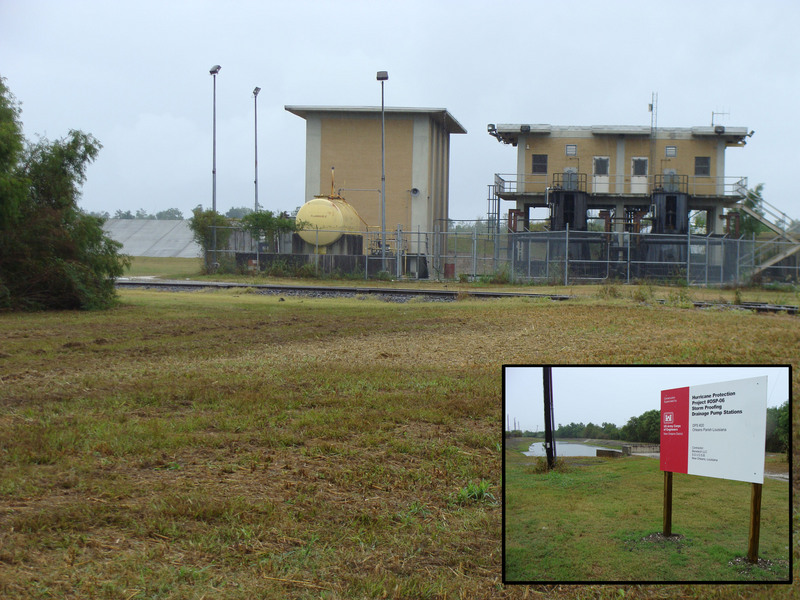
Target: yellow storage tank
x,y
327,219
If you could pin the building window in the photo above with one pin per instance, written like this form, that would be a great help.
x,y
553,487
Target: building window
x,y
601,165
572,150
702,166
671,151
539,164
639,167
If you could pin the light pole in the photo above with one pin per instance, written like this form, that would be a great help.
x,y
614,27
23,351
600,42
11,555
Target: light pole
x,y
383,76
255,102
213,71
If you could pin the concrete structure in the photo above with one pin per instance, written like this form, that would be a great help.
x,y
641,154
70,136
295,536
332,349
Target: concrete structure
x,y
149,237
417,161
619,175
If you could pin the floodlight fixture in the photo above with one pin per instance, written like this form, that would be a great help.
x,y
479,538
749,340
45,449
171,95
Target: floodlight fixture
x,y
382,76
214,70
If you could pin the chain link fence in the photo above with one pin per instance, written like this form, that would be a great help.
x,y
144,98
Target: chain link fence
x,y
555,257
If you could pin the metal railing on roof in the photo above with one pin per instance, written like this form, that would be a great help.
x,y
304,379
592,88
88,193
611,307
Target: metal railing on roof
x,y
695,185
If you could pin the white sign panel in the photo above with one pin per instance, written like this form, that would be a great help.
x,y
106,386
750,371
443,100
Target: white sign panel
x,y
715,430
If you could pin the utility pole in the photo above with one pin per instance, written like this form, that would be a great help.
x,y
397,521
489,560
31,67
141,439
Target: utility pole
x,y
549,442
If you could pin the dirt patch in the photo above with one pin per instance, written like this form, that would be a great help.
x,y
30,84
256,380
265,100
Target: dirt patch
x,y
751,569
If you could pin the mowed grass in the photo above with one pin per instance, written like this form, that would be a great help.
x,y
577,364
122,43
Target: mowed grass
x,y
235,445
609,516
167,268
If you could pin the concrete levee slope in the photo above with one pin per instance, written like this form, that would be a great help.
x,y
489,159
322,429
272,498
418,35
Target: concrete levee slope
x,y
149,237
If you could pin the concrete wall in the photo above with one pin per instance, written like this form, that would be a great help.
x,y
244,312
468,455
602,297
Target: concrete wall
x,y
149,237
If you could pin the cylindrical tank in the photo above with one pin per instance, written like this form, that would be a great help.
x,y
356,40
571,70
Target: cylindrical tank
x,y
327,219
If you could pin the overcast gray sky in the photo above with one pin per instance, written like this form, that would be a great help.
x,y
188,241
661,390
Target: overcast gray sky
x,y
615,394
135,75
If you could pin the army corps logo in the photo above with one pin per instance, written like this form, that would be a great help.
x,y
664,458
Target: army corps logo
x,y
669,418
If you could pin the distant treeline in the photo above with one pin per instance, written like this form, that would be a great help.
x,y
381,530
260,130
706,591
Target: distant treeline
x,y
646,429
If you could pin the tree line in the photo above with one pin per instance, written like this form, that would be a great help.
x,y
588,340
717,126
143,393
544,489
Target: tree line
x,y
170,214
646,429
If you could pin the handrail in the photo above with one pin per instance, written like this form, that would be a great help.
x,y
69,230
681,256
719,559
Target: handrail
x,y
730,186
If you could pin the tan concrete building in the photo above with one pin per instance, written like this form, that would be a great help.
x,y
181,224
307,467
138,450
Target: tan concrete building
x,y
417,161
622,175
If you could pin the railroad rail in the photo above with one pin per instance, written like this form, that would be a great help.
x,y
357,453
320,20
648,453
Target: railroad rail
x,y
405,294
337,290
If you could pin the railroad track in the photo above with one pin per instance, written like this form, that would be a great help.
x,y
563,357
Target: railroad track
x,y
405,294
397,294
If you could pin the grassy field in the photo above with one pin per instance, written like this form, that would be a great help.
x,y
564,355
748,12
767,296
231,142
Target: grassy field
x,y
233,445
616,505
167,268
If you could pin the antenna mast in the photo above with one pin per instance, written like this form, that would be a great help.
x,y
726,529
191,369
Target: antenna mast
x,y
653,107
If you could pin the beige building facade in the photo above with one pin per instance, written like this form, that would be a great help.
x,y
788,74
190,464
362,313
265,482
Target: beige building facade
x,y
348,140
625,173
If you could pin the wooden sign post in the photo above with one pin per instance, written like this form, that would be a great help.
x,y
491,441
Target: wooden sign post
x,y
667,504
549,442
755,522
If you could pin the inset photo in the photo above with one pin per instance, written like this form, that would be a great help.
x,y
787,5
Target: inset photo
x,y
646,474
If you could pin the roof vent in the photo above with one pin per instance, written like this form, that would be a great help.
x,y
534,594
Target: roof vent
x,y
719,129
525,128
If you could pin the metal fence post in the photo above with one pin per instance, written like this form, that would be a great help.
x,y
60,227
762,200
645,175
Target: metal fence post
x,y
689,257
566,256
513,257
398,250
474,253
628,240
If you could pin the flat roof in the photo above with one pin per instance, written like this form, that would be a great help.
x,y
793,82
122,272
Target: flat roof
x,y
440,115
510,133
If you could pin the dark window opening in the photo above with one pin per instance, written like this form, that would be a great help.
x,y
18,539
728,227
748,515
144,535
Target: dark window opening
x,y
671,213
601,166
702,166
569,209
539,164
639,166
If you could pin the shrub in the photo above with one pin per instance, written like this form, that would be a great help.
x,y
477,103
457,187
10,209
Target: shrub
x,y
52,254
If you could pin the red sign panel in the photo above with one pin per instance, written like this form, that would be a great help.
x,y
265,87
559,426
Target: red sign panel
x,y
675,430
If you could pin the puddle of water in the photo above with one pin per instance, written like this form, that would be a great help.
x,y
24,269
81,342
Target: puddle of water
x,y
564,449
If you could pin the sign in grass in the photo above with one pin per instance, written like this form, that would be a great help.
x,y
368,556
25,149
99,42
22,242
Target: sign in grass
x,y
716,430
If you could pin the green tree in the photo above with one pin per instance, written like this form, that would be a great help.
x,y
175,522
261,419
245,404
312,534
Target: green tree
x,y
171,214
238,212
754,200
784,418
123,215
203,225
646,428
774,441
265,225
52,255
610,431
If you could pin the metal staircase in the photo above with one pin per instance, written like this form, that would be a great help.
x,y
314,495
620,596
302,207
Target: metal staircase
x,y
784,245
